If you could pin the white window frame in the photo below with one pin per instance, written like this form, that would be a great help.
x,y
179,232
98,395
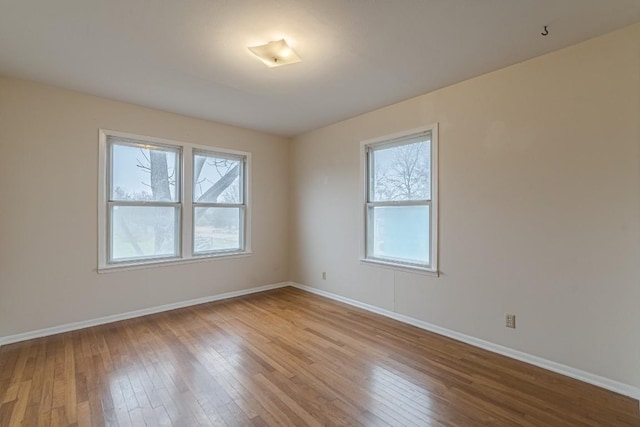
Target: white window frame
x,y
432,268
184,190
242,205
177,204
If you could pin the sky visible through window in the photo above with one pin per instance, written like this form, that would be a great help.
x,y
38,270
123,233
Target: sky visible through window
x,y
131,172
212,172
402,172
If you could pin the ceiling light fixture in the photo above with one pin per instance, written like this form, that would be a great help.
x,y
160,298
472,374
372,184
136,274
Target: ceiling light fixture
x,y
275,53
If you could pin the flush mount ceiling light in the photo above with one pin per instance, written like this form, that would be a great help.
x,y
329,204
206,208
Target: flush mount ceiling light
x,y
275,54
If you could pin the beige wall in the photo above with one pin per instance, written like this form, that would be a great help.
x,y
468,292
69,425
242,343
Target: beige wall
x,y
48,215
539,207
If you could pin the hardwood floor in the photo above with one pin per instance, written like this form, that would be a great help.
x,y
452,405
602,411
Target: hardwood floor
x,y
284,357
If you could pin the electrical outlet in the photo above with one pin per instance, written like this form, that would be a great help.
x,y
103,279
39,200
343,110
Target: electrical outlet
x,y
511,321
324,275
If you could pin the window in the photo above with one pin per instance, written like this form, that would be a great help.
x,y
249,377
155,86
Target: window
x,y
401,200
218,202
144,203
164,201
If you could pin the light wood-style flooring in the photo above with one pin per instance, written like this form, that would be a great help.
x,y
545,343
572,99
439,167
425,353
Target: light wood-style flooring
x,y
284,357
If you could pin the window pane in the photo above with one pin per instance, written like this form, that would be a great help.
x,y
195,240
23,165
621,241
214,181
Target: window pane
x,y
399,233
216,179
401,172
139,232
143,173
217,229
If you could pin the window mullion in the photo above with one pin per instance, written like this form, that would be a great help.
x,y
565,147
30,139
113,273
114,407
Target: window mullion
x,y
143,203
400,203
370,184
217,205
187,202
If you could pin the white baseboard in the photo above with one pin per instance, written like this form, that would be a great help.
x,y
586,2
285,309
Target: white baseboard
x,y
587,377
131,314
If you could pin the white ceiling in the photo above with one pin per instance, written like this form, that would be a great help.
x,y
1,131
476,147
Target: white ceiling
x,y
191,56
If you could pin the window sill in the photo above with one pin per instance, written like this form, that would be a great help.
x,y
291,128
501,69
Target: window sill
x,y
400,267
158,263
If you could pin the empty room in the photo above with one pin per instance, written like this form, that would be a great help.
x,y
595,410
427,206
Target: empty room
x,y
320,213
